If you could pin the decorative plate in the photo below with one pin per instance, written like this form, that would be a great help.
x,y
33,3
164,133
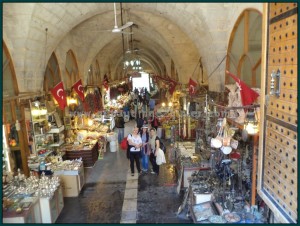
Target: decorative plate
x,y
232,217
216,219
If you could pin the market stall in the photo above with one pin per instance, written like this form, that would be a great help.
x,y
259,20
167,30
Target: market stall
x,y
225,191
32,200
87,152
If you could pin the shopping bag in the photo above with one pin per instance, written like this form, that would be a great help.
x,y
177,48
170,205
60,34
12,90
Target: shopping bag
x,y
124,144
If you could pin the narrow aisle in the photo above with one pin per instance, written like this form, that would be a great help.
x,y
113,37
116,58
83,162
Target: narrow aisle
x,y
158,200
101,198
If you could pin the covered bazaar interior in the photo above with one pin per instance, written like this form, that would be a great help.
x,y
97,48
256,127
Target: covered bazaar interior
x,y
217,81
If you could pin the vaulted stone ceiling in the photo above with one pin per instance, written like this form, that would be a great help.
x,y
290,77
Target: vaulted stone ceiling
x,y
165,32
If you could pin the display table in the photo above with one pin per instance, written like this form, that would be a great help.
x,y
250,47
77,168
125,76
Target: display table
x,y
89,154
188,171
31,215
72,181
51,208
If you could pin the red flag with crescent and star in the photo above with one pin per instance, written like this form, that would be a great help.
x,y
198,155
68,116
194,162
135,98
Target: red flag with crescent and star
x,y
192,86
172,85
59,94
79,89
248,95
105,82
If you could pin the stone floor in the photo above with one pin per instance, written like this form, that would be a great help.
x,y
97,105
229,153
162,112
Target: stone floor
x,y
112,195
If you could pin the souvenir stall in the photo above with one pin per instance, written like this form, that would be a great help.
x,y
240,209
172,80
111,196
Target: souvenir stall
x,y
66,131
32,200
117,97
226,190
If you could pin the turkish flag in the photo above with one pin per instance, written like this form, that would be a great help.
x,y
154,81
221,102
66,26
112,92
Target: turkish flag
x,y
79,89
192,86
172,85
105,81
248,95
60,96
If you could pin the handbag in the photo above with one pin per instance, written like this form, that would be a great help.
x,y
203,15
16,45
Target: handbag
x,y
162,145
160,157
124,144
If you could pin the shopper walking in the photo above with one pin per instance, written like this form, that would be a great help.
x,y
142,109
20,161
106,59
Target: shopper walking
x,y
135,143
145,150
119,122
139,122
154,145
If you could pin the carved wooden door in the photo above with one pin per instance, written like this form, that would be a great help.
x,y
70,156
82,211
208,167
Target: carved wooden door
x,y
277,168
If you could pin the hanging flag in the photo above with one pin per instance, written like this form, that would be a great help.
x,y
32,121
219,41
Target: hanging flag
x,y
105,81
79,89
172,85
192,86
60,96
248,95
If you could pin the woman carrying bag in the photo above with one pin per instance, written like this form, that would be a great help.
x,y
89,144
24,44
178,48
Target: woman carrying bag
x,y
154,145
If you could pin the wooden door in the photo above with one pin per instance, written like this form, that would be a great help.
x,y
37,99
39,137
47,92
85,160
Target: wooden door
x,y
277,168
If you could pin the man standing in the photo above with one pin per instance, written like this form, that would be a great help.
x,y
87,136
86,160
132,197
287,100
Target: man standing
x,y
120,125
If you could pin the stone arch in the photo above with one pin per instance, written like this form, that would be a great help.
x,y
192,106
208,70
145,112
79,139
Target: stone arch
x,y
52,74
71,69
237,56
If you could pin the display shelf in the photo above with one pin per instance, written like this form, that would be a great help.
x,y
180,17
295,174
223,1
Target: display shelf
x,y
41,148
56,130
39,135
57,144
38,120
45,154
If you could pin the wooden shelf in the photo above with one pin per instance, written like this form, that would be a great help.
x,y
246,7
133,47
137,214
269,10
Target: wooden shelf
x,y
15,148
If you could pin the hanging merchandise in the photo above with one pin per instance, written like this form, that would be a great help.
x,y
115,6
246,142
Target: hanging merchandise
x,y
105,82
223,139
92,99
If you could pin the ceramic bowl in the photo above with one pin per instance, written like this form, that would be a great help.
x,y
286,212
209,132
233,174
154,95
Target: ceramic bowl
x,y
226,150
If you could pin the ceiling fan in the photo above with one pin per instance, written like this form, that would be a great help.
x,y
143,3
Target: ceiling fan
x,y
117,29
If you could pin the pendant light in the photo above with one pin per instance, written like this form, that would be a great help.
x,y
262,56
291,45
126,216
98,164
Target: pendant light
x,y
251,122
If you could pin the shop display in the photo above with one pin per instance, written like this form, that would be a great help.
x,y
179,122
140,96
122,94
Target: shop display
x,y
226,182
92,101
88,151
26,196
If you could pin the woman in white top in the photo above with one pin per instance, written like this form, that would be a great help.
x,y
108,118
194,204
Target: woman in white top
x,y
135,143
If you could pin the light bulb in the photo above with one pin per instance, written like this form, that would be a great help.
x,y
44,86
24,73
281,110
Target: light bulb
x,y
90,122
